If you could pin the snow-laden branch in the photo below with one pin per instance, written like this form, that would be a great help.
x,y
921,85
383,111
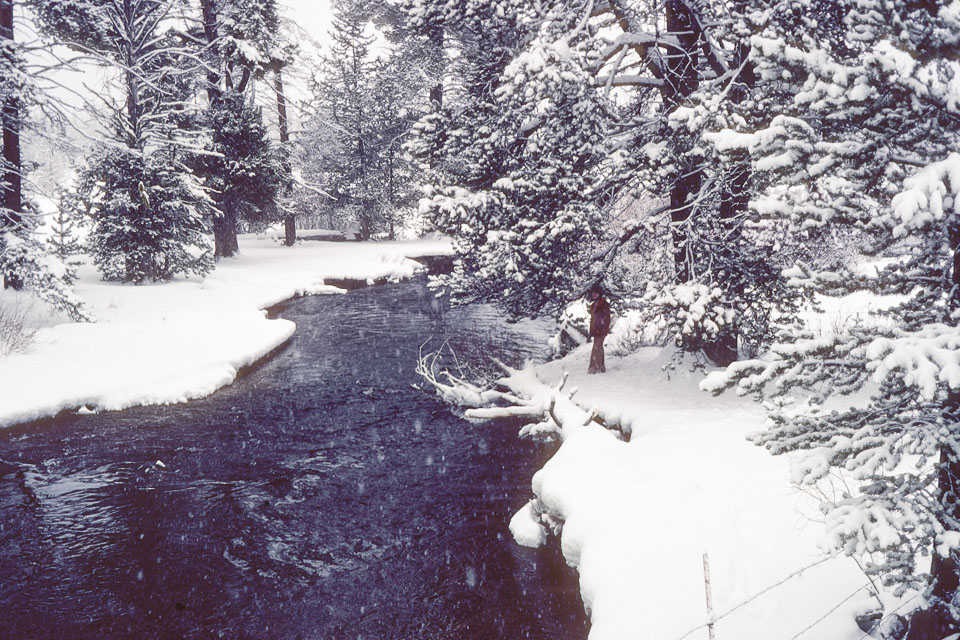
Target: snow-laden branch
x,y
518,394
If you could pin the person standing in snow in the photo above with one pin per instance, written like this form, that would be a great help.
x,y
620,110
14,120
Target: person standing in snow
x,y
599,327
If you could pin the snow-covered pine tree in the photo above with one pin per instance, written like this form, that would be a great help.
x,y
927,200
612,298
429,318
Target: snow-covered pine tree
x,y
361,105
245,175
343,94
645,94
15,87
63,241
869,141
25,263
512,158
403,95
149,211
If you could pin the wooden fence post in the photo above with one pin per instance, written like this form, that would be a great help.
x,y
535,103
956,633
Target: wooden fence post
x,y
709,592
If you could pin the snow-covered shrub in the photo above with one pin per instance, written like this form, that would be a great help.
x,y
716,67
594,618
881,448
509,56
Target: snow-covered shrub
x,y
41,273
637,328
694,313
635,325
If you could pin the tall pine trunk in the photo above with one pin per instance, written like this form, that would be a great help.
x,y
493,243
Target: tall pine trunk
x,y
289,221
10,119
436,91
946,573
225,235
225,225
733,203
680,81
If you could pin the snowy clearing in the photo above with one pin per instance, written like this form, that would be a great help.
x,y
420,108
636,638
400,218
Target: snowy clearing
x,y
184,339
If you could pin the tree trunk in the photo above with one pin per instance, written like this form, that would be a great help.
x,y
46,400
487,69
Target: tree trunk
x,y
944,569
131,78
210,33
289,222
225,235
224,226
680,80
12,183
683,195
733,203
391,193
436,91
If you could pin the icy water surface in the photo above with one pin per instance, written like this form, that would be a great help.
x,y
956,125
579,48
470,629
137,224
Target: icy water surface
x,y
320,496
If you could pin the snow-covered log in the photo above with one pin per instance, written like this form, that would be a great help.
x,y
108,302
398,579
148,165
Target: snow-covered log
x,y
521,394
517,394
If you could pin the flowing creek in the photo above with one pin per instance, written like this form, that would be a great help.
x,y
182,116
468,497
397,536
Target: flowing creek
x,y
319,496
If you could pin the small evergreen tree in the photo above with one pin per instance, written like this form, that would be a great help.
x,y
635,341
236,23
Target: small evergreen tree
x,y
63,241
39,272
149,215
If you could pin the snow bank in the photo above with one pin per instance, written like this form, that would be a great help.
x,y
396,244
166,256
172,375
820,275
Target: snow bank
x,y
637,517
181,340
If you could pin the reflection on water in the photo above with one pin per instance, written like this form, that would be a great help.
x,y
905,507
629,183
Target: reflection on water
x,y
319,497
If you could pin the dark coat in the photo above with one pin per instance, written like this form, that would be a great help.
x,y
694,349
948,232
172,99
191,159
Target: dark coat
x,y
599,317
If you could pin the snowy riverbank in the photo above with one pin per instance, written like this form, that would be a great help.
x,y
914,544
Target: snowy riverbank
x,y
176,341
638,516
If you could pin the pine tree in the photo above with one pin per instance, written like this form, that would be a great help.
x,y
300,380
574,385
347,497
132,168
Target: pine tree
x,y
361,106
24,260
149,211
600,95
242,37
244,174
14,92
869,141
343,93
63,241
512,165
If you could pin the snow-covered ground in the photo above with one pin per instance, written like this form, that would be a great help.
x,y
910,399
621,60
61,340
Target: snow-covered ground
x,y
638,517
172,342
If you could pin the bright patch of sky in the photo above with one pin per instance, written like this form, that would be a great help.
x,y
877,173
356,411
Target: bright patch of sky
x,y
312,16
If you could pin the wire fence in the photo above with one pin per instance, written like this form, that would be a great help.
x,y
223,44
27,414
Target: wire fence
x,y
714,619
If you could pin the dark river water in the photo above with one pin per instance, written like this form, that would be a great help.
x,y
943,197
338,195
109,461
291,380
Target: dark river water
x,y
320,496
